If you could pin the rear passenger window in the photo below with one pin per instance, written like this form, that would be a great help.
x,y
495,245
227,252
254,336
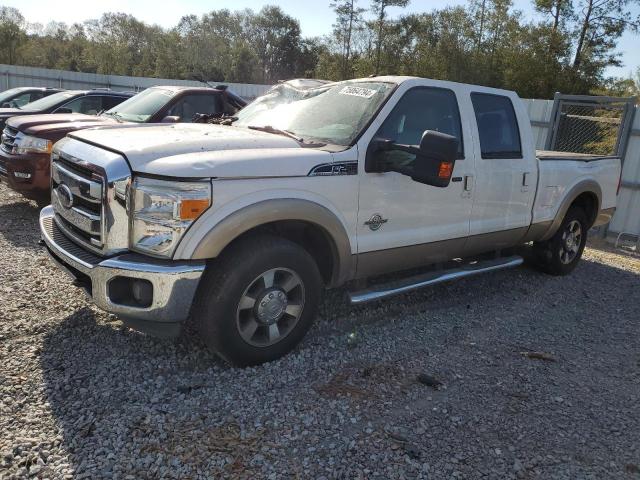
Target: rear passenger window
x,y
497,126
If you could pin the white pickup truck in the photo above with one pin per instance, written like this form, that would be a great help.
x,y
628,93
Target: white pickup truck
x,y
240,226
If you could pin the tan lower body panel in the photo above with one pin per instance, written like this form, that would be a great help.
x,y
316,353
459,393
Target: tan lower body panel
x,y
604,216
404,258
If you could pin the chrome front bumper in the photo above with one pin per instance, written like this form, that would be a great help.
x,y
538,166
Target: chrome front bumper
x,y
174,283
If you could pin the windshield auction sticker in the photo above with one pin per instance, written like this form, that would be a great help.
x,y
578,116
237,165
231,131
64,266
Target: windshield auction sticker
x,y
357,92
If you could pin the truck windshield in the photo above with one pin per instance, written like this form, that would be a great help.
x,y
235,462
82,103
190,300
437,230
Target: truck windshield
x,y
48,102
335,113
142,106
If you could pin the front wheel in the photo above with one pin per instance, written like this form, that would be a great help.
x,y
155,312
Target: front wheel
x,y
258,300
561,253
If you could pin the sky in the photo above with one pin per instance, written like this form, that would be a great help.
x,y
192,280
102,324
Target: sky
x,y
315,16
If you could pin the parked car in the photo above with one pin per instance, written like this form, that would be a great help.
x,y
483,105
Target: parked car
x,y
27,140
68,101
20,96
241,226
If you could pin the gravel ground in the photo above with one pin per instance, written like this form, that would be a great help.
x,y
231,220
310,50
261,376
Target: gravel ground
x,y
540,379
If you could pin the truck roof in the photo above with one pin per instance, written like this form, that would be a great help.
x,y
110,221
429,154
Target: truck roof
x,y
399,79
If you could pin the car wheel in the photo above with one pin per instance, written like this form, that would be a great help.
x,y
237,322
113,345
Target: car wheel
x,y
561,253
257,301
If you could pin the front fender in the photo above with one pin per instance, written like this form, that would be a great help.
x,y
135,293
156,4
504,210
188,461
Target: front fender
x,y
219,235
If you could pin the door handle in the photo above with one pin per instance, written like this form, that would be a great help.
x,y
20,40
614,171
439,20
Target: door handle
x,y
467,186
468,183
525,181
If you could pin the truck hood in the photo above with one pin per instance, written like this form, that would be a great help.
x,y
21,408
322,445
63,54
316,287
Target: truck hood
x,y
203,150
43,125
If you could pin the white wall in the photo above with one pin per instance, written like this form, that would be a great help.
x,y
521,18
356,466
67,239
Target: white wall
x,y
627,217
17,76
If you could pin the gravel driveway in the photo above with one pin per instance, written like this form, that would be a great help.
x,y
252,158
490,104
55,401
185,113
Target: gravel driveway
x,y
540,379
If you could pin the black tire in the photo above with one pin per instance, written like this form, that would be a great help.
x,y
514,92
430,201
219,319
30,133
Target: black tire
x,y
561,253
241,273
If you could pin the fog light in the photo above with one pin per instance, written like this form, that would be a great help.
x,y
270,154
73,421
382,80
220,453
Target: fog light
x,y
142,292
133,292
24,175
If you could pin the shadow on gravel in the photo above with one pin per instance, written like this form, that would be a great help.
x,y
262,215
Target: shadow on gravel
x,y
103,380
113,392
19,223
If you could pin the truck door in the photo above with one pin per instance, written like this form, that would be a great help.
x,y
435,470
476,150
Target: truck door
x,y
403,223
506,173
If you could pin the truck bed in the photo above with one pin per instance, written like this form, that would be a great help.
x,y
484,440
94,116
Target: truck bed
x,y
570,156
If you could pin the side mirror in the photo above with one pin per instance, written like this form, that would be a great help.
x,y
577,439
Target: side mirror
x,y
435,158
64,110
170,119
6,105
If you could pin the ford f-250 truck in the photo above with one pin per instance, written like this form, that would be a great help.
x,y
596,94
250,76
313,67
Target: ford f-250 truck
x,y
239,227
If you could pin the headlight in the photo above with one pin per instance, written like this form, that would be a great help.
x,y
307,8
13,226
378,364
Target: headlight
x,y
162,211
29,144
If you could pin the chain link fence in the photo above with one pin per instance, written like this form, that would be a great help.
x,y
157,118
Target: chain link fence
x,y
588,129
592,125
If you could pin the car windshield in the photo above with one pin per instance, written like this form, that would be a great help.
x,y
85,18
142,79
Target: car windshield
x,y
48,102
9,94
335,113
142,106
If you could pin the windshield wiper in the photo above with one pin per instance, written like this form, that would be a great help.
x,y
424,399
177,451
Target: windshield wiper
x,y
277,131
214,119
114,115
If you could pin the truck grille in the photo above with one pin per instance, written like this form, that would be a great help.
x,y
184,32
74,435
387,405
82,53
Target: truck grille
x,y
9,135
77,199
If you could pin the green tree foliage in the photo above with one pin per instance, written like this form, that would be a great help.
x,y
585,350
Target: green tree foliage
x,y
349,19
485,42
379,8
12,33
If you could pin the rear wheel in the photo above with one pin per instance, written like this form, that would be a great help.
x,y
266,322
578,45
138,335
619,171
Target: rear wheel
x,y
561,253
258,300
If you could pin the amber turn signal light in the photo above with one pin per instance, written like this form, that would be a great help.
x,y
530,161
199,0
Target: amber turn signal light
x,y
445,170
192,209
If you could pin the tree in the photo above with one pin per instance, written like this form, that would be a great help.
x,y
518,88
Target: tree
x,y
600,24
12,34
379,9
560,11
276,39
349,18
485,42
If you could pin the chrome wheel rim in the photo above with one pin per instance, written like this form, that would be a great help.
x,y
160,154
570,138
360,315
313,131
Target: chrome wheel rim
x,y
270,307
571,241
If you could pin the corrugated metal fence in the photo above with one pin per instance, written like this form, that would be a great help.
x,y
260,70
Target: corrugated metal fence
x,y
16,76
627,217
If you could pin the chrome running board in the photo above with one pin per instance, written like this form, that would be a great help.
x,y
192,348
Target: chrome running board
x,y
404,285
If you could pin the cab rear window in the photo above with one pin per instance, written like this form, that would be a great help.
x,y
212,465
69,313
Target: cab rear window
x,y
497,126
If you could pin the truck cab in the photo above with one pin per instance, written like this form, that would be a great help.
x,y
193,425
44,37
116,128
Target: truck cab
x,y
239,227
